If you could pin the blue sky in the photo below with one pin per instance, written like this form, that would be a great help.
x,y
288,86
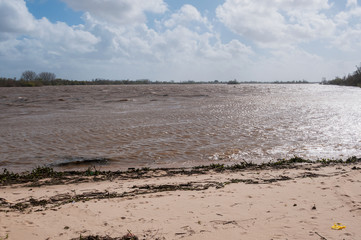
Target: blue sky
x,y
181,40
54,10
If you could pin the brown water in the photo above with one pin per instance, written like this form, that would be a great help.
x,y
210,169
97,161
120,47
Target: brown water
x,y
176,125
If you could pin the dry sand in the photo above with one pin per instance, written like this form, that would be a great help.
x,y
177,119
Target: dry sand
x,y
299,203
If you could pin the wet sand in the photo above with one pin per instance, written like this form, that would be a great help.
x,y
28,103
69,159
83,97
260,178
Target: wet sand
x,y
301,201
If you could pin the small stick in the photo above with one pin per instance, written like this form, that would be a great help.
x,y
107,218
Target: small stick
x,y
322,237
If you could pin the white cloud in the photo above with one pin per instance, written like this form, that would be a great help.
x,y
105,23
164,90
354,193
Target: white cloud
x,y
274,24
61,37
302,5
348,40
14,17
186,14
119,11
116,40
346,17
104,48
351,3
176,45
16,20
348,35
26,42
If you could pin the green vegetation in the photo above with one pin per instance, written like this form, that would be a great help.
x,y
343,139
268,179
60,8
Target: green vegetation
x,y
128,236
36,174
233,82
56,177
292,82
38,82
42,176
92,171
280,163
221,167
353,79
32,79
6,237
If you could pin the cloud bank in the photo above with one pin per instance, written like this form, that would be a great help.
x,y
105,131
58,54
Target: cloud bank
x,y
130,39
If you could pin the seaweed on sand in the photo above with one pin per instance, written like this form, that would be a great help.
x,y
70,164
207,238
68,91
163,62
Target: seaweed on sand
x,y
97,237
48,176
36,174
128,236
92,174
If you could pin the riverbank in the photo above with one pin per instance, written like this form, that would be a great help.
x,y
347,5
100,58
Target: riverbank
x,y
285,200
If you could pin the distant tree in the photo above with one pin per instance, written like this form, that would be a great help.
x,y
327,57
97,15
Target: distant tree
x,y
349,80
233,82
47,76
8,82
29,76
324,80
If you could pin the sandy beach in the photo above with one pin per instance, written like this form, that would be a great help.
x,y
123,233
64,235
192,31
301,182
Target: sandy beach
x,y
302,201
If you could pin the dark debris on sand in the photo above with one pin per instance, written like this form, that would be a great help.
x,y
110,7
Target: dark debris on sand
x,y
128,236
90,237
47,176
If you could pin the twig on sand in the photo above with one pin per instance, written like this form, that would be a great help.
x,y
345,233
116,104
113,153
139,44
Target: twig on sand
x,y
322,237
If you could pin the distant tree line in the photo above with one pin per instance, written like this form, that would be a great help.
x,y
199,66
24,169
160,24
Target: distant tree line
x,y
32,79
292,82
276,82
353,79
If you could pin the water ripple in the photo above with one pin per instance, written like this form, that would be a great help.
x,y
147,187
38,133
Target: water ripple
x,y
177,125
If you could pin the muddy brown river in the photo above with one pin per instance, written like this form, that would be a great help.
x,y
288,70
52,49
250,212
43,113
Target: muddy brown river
x,y
72,127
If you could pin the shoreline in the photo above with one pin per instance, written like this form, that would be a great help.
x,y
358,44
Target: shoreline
x,y
294,199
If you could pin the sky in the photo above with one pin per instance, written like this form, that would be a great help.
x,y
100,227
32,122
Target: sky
x,y
181,40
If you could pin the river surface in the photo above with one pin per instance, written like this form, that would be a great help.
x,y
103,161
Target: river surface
x,y
175,125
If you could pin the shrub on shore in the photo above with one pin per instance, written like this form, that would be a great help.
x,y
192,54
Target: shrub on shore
x,y
353,79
